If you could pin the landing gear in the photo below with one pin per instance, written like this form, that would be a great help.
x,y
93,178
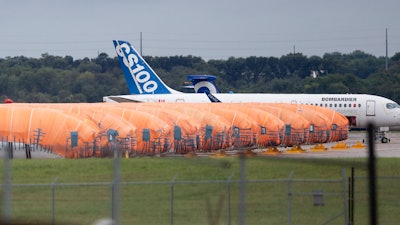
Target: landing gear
x,y
383,135
385,140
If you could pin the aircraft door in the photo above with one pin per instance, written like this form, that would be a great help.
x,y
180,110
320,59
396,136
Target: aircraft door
x,y
370,108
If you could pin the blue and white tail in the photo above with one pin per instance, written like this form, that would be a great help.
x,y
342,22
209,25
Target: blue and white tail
x,y
140,77
204,83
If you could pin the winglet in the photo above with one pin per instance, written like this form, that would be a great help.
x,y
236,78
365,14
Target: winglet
x,y
204,83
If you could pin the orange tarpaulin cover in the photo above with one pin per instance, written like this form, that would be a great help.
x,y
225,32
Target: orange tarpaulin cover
x,y
151,128
51,127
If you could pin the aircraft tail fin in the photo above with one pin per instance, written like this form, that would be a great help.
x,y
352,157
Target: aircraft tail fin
x,y
204,83
140,77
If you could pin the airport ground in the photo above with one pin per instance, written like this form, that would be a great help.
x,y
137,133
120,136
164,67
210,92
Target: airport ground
x,y
350,148
262,195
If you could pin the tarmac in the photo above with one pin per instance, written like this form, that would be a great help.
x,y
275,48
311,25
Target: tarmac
x,y
355,146
20,153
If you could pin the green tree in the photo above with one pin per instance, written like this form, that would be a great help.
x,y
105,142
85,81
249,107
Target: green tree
x,y
295,65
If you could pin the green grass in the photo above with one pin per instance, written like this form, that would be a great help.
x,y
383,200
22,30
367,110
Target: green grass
x,y
143,203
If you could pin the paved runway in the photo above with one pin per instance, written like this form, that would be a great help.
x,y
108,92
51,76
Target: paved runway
x,y
349,148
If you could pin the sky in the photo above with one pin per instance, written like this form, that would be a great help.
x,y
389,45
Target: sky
x,y
210,29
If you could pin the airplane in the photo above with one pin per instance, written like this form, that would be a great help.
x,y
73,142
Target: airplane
x,y
146,86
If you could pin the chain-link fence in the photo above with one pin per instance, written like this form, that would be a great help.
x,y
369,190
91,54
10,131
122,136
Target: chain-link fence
x,y
283,201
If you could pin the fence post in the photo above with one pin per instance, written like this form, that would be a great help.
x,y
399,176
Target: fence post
x,y
228,190
242,188
346,215
116,189
372,175
172,200
7,187
351,197
53,184
289,198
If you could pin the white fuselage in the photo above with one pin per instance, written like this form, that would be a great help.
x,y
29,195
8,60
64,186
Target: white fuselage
x,y
360,109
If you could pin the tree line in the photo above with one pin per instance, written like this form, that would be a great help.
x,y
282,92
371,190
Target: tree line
x,y
64,79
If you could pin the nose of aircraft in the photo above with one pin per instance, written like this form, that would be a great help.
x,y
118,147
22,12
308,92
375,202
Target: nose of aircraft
x,y
396,117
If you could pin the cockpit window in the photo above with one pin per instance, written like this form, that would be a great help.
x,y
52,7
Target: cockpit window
x,y
392,105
